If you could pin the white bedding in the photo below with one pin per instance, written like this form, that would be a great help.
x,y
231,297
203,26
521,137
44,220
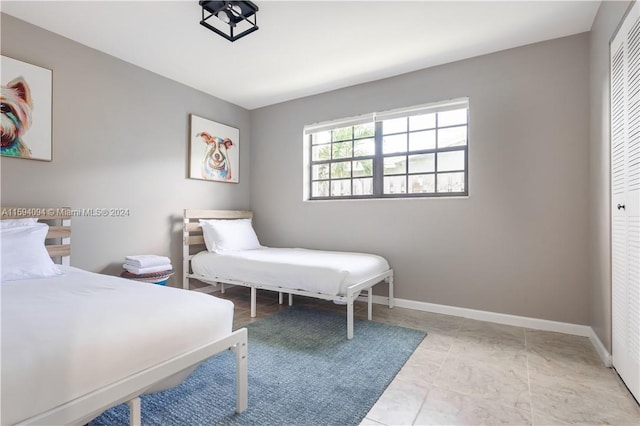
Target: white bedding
x,y
327,272
65,336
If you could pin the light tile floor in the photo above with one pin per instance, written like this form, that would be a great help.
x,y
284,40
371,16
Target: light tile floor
x,y
469,372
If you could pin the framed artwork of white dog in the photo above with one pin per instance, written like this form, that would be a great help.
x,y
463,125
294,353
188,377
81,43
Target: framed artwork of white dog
x,y
26,97
214,151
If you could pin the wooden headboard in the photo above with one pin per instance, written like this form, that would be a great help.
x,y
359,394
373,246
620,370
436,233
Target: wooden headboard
x,y
192,238
58,241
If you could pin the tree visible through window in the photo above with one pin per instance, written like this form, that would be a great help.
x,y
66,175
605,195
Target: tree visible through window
x,y
420,152
343,161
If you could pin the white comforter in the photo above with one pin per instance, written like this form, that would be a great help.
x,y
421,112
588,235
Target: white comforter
x,y
327,272
65,336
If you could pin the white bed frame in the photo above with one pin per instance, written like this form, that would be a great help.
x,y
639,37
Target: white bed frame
x,y
193,241
128,389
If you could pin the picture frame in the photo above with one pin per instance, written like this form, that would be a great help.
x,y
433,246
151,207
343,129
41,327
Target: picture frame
x,y
27,113
214,151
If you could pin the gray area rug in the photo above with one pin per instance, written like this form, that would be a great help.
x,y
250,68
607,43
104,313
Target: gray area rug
x,y
302,371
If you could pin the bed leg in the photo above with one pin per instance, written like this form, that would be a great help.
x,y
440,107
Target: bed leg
x,y
390,281
253,302
135,416
290,299
350,319
185,280
222,288
280,297
242,376
369,305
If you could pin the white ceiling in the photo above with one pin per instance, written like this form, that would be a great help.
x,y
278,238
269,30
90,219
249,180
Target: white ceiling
x,y
303,47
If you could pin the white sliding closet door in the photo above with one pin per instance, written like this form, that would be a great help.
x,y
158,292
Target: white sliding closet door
x,y
625,198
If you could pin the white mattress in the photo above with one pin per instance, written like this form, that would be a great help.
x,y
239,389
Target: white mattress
x,y
327,272
65,336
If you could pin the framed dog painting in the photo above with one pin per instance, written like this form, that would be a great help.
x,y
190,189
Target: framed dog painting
x,y
26,97
214,152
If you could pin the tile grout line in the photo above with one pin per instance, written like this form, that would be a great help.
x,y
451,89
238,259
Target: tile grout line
x,y
448,353
413,422
415,417
526,349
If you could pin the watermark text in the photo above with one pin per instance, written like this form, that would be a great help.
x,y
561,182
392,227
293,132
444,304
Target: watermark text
x,y
64,212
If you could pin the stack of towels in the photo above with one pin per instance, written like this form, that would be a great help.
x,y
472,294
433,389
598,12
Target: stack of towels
x,y
148,268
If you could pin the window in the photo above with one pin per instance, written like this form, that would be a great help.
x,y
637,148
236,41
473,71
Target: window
x,y
412,152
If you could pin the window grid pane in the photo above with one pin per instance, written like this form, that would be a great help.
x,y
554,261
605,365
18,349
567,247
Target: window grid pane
x,y
420,155
422,163
450,161
341,150
452,118
396,125
420,122
394,143
341,170
422,140
341,188
364,147
321,137
420,184
363,186
342,134
452,136
450,182
362,168
395,165
395,184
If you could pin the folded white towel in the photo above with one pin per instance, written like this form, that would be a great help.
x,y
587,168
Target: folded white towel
x,y
135,270
148,260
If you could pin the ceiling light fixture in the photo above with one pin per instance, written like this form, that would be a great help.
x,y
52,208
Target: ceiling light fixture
x,y
232,19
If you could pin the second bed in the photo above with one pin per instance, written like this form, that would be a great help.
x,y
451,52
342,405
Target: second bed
x,y
328,275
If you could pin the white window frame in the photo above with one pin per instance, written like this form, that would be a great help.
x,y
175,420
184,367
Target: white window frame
x,y
378,175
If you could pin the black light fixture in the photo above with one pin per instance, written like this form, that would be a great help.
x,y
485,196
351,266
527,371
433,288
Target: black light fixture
x,y
231,19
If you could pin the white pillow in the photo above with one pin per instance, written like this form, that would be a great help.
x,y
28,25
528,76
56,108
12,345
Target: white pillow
x,y
209,235
23,254
12,223
222,235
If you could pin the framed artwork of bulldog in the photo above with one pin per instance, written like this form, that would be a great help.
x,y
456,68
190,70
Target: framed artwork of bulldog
x,y
214,151
26,124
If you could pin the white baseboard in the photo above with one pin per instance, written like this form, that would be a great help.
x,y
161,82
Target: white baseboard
x,y
515,320
605,356
507,319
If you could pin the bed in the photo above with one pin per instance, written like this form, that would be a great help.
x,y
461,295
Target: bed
x,y
75,343
335,276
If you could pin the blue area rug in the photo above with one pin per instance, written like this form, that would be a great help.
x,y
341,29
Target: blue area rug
x,y
302,371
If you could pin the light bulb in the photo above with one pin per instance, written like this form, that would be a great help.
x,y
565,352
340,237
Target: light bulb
x,y
222,15
236,10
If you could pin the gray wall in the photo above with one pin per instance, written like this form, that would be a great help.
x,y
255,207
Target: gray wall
x,y
518,244
607,20
120,140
